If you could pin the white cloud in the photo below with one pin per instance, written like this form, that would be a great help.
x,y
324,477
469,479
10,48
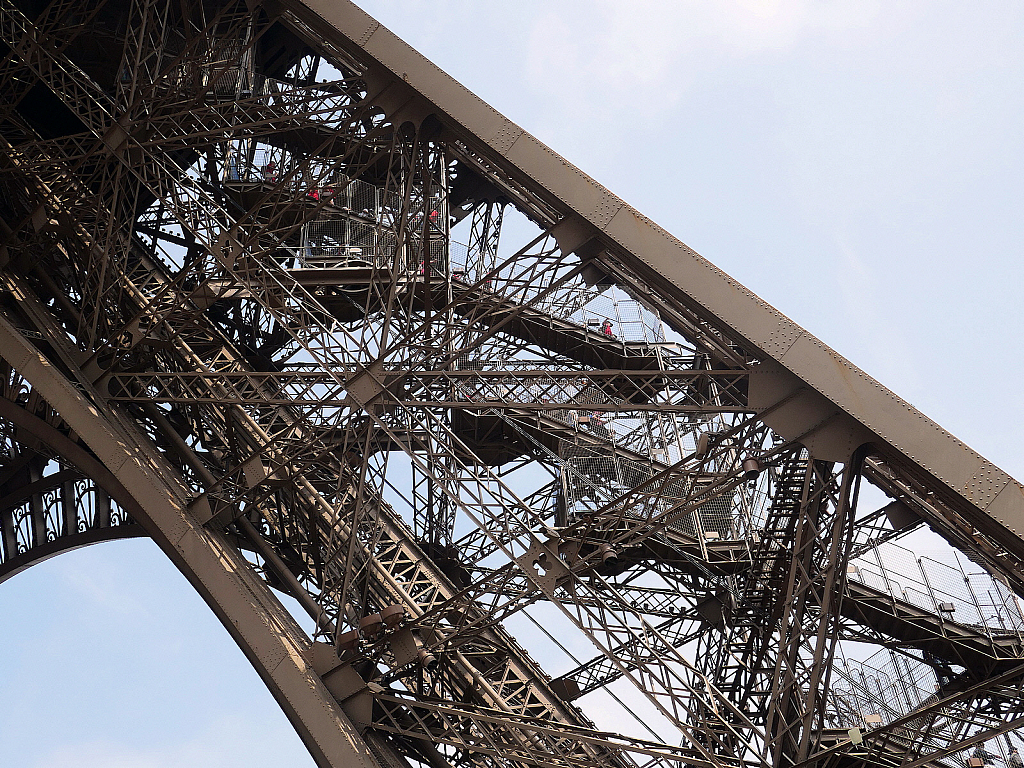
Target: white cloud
x,y
649,46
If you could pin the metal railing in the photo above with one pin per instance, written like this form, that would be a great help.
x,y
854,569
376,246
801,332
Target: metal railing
x,y
948,589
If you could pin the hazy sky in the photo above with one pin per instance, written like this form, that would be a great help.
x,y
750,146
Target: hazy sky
x,y
858,165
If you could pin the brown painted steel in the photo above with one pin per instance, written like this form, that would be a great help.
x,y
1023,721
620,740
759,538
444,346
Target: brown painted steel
x,y
661,257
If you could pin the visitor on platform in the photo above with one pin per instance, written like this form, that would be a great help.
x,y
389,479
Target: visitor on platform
x,y
606,329
232,170
983,754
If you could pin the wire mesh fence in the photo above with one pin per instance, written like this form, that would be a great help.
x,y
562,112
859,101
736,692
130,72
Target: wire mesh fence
x,y
616,315
877,690
889,685
951,589
339,243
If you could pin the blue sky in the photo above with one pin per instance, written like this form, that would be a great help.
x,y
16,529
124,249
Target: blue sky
x,y
858,165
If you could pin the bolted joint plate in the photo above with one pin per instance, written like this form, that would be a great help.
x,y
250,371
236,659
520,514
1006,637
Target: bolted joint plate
x,y
543,566
797,412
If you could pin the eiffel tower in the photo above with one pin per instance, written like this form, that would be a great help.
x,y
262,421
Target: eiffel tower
x,y
257,305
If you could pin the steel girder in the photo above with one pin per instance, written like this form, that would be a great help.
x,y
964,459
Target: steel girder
x,y
233,283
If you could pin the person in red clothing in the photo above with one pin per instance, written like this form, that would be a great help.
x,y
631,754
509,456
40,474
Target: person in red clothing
x,y
606,329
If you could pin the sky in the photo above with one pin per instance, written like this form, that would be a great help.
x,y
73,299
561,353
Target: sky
x,y
857,165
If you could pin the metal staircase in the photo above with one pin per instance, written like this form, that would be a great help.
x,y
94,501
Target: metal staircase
x,y
236,316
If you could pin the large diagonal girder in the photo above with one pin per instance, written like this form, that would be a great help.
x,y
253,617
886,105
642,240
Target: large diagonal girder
x,y
231,276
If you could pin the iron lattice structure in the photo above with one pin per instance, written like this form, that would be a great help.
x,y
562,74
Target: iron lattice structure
x,y
256,305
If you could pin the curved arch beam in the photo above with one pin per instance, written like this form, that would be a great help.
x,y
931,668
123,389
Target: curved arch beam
x,y
119,459
88,466
63,544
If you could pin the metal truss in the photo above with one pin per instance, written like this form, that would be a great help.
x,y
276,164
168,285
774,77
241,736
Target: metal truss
x,y
48,504
258,305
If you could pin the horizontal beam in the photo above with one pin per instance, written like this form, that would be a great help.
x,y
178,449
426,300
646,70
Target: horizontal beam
x,y
527,740
992,500
142,482
537,389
